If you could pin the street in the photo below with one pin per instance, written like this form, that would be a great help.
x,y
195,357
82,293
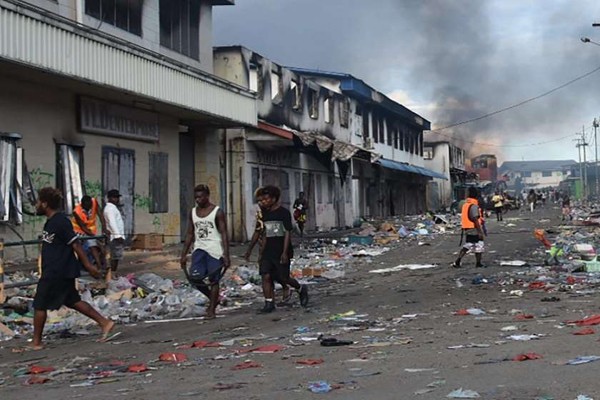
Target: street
x,y
427,354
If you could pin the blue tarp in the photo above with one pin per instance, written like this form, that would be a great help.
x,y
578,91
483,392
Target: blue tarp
x,y
398,166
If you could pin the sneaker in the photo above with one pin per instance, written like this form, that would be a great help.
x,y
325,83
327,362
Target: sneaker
x,y
303,296
268,308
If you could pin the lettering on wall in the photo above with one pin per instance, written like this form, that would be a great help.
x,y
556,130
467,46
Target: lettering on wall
x,y
280,158
102,118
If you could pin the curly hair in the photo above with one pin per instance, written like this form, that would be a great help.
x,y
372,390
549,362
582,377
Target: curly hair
x,y
271,191
51,196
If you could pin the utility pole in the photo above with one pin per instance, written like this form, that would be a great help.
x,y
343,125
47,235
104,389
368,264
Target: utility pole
x,y
579,145
596,124
586,188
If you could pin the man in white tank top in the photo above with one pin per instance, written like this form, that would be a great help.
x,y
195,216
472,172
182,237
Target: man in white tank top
x,y
207,230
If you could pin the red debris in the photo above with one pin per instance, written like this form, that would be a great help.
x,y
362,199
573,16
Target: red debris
x,y
593,320
571,280
38,369
173,357
137,368
462,312
200,344
537,285
246,365
586,331
310,361
522,317
37,380
527,356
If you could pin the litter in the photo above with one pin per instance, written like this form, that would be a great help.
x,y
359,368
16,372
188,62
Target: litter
x,y
525,338
411,267
470,311
269,349
515,263
330,342
319,387
463,394
583,360
173,357
310,361
246,365
527,356
586,331
593,320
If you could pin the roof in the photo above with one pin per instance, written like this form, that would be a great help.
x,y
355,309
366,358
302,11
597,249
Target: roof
x,y
361,91
404,167
531,166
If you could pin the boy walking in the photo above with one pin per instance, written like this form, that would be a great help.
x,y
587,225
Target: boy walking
x,y
275,259
60,268
207,230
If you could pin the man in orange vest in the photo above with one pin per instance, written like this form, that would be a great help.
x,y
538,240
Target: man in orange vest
x,y
85,216
472,228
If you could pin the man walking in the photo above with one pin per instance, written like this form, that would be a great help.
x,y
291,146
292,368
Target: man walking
x,y
300,210
116,231
85,216
60,268
498,200
275,259
472,228
207,230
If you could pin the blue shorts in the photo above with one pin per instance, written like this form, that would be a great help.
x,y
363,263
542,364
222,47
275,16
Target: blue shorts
x,y
205,266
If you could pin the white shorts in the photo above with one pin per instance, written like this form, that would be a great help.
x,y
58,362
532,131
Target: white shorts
x,y
474,245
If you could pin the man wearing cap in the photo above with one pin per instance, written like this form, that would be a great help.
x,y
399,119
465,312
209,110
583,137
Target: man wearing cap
x,y
116,231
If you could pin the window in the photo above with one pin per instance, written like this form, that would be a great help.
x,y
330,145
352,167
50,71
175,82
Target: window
x,y
359,110
389,134
546,174
256,80
16,185
296,95
365,126
69,174
313,101
124,14
381,130
401,139
375,126
319,190
180,26
344,113
396,137
526,174
330,189
428,153
328,105
159,182
276,86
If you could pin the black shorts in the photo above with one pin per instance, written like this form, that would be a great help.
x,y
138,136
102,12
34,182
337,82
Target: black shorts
x,y
51,294
278,271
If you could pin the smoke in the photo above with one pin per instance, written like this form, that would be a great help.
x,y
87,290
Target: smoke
x,y
454,60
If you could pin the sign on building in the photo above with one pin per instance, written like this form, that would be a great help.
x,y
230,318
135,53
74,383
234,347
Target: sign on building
x,y
103,118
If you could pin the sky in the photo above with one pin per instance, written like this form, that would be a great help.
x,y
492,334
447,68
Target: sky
x,y
449,61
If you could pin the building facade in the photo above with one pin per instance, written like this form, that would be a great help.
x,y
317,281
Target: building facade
x,y
353,152
107,95
449,160
536,174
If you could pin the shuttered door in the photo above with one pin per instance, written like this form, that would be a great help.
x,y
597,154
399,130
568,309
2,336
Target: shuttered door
x,y
118,172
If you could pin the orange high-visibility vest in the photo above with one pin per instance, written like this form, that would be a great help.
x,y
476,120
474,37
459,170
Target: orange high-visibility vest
x,y
466,222
90,222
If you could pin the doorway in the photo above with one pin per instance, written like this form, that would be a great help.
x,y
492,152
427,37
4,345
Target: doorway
x,y
118,172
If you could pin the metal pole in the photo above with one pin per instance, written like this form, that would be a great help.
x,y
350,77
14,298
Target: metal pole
x,y
596,163
2,294
585,182
580,165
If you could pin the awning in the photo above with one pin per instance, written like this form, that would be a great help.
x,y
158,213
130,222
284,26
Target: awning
x,y
340,151
398,166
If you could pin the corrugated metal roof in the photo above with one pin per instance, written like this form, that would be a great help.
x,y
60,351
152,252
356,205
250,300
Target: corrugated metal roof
x,y
534,166
62,48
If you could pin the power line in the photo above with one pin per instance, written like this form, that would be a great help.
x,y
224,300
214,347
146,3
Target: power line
x,y
518,104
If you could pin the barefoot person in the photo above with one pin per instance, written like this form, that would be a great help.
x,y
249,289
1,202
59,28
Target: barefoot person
x,y
60,268
207,230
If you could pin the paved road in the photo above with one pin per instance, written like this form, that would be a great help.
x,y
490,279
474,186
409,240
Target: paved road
x,y
393,357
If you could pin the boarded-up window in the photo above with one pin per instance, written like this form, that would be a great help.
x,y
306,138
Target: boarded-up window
x,y
345,113
159,182
313,103
69,174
